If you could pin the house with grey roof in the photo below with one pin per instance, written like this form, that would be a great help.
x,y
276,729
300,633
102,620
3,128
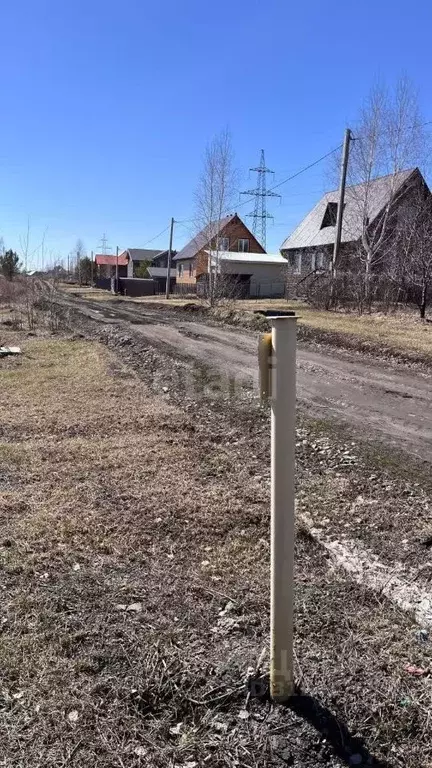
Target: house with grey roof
x,y
155,259
308,249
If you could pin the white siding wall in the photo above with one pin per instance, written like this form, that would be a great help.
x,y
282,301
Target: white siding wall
x,y
266,279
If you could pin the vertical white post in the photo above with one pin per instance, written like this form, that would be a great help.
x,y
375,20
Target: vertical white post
x,y
283,398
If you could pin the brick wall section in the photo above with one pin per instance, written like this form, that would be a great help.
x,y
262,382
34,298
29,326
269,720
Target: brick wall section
x,y
235,230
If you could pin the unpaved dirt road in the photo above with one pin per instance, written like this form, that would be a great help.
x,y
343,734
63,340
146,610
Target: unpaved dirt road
x,y
377,400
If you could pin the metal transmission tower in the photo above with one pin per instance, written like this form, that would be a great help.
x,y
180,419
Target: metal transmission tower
x,y
260,214
104,244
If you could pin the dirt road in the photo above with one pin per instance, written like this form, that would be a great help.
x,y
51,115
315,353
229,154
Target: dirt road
x,y
375,398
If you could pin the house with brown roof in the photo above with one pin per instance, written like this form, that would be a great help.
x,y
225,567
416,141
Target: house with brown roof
x,y
106,265
308,249
229,234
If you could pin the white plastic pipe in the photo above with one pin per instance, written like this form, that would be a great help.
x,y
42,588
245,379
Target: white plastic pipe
x,y
283,399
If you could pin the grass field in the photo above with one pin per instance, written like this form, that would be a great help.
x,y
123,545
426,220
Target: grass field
x,y
134,572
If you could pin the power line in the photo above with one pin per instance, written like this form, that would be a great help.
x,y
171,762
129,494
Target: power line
x,y
156,236
294,175
311,165
248,200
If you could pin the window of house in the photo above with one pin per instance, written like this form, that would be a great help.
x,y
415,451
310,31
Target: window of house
x,y
180,270
330,215
223,244
294,260
243,245
319,260
190,269
313,262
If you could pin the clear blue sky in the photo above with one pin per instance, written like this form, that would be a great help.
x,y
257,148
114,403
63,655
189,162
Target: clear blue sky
x,y
107,106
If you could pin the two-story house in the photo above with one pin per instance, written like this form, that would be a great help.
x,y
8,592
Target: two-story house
x,y
193,262
308,250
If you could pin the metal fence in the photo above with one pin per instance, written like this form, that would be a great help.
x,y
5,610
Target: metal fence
x,y
272,289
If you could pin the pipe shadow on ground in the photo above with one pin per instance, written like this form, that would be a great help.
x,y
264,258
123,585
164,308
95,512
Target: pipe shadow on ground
x,y
351,749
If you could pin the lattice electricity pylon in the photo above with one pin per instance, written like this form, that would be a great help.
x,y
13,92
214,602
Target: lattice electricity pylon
x,y
260,214
104,244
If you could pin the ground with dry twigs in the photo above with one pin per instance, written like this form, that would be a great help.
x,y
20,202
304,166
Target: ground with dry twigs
x,y
134,571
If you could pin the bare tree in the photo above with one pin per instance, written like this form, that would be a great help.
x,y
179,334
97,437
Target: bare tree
x,y
25,246
214,198
390,138
78,254
415,250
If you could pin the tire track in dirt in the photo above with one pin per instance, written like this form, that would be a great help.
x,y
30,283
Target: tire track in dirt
x,y
379,401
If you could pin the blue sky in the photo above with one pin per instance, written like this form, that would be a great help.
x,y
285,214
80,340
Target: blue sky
x,y
107,106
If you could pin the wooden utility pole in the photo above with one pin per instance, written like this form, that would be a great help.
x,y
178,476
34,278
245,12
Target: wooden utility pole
x,y
116,272
340,208
168,275
91,269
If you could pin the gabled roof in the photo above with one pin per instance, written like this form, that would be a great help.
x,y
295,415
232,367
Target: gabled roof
x,y
105,259
312,233
202,238
142,254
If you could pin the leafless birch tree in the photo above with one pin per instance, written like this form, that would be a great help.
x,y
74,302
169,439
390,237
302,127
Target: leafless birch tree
x,y
214,199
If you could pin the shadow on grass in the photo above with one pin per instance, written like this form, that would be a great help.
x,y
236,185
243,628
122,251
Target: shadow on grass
x,y
351,749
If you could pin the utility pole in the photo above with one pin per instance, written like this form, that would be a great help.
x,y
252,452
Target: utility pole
x,y
116,273
168,275
91,269
340,208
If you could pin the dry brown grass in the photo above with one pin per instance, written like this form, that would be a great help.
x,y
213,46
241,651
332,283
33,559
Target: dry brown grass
x,y
114,497
402,331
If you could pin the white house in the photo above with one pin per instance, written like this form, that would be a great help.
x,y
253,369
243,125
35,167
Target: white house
x,y
257,275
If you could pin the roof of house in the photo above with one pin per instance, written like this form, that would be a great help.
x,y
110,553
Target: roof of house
x,y
105,259
160,272
142,254
247,258
202,238
311,233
